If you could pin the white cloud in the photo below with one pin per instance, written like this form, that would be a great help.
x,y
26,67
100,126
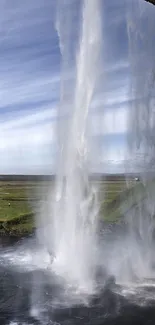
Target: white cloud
x,y
28,150
16,91
27,119
31,137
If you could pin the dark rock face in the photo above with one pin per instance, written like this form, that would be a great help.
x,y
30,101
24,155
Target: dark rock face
x,y
151,1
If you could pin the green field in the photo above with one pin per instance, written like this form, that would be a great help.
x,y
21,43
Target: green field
x,y
16,213
18,200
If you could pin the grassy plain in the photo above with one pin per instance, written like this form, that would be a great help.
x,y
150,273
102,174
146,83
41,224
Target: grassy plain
x,y
19,198
16,213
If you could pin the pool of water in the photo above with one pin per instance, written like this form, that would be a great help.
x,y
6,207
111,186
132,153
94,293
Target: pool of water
x,y
31,294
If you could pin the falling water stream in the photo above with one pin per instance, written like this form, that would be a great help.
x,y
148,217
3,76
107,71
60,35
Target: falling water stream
x,y
72,219
141,121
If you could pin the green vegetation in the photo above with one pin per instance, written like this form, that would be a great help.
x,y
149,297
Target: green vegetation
x,y
16,215
18,200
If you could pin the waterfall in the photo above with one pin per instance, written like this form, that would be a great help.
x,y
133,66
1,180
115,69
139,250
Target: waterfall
x,y
70,223
140,25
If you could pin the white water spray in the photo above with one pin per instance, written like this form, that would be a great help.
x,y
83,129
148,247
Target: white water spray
x,y
136,260
140,218
70,224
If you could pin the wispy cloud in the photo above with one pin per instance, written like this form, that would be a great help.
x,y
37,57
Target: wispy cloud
x,y
30,82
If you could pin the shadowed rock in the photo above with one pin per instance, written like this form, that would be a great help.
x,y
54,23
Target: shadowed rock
x,y
151,1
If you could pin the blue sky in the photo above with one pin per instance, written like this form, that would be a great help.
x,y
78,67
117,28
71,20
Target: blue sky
x,y
30,74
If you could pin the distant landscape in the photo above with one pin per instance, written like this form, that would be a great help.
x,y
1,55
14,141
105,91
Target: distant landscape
x,y
94,176
20,194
